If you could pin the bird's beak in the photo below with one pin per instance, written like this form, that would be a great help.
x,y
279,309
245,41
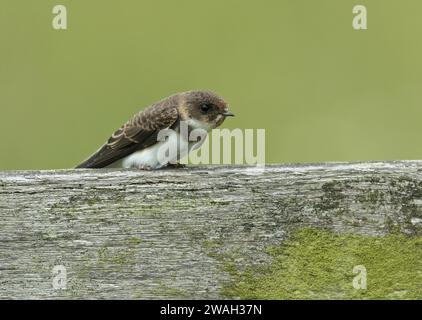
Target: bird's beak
x,y
228,114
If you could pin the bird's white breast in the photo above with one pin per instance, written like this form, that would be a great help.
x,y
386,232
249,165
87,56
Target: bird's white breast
x,y
150,157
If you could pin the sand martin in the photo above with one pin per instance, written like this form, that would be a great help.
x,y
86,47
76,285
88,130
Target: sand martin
x,y
137,144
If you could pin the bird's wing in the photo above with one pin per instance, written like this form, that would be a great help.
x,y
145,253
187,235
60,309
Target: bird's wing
x,y
138,133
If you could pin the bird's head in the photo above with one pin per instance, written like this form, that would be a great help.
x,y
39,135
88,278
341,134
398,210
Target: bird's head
x,y
203,109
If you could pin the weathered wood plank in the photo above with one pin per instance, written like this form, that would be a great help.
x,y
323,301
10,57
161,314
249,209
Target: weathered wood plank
x,y
136,234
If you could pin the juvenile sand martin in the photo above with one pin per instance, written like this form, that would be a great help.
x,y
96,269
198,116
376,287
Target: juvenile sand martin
x,y
137,145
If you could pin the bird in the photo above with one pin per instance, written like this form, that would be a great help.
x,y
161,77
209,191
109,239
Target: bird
x,y
137,143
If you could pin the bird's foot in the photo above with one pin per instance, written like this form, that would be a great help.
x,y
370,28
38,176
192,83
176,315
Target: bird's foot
x,y
176,165
143,167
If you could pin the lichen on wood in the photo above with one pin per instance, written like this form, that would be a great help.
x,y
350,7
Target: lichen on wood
x,y
177,233
319,264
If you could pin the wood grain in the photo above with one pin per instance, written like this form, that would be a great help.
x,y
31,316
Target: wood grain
x,y
127,234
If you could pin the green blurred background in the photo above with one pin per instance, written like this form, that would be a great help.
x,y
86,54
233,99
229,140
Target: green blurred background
x,y
322,91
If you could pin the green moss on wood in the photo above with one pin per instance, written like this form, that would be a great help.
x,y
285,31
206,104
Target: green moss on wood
x,y
318,264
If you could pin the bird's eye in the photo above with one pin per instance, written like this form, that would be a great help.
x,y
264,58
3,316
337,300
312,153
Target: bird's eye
x,y
205,108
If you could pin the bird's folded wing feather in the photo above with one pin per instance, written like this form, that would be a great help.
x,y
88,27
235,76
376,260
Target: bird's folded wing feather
x,y
138,133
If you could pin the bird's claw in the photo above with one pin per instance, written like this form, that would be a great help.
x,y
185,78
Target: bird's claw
x,y
144,167
176,165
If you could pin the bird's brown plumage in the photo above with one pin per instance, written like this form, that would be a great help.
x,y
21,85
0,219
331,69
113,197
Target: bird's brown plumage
x,y
138,133
141,131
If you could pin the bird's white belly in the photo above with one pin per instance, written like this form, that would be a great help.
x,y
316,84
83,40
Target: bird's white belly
x,y
176,146
143,158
